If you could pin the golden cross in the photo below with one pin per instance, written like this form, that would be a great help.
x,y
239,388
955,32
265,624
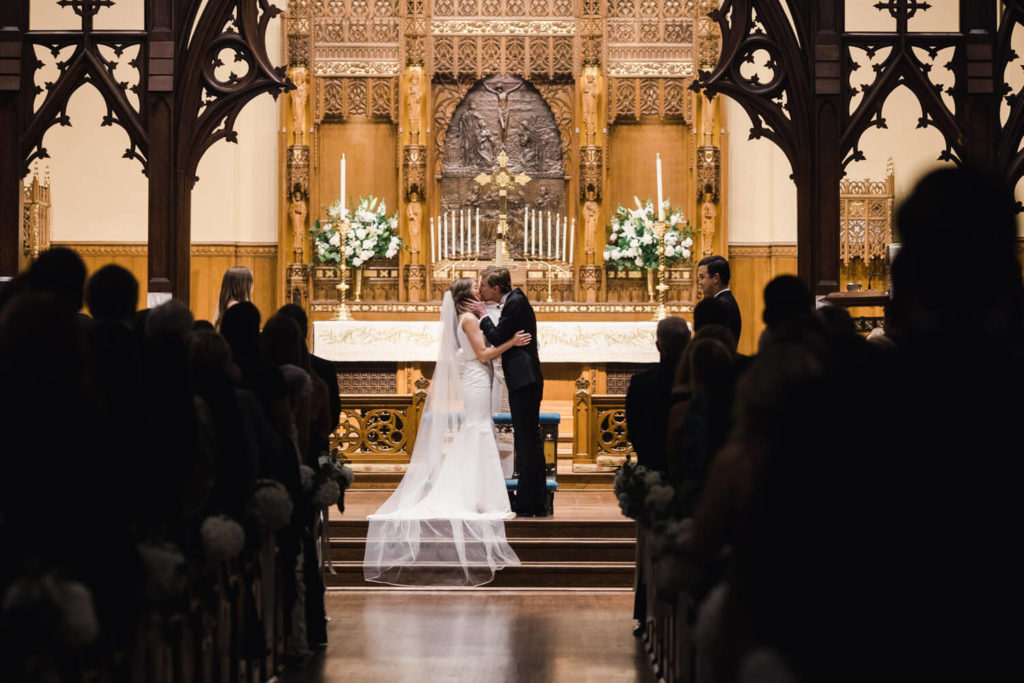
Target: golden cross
x,y
501,177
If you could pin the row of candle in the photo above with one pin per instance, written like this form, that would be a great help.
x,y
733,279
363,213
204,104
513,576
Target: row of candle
x,y
548,243
453,235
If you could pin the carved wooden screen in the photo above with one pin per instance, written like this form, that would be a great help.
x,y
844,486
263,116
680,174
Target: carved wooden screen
x,y
865,219
533,145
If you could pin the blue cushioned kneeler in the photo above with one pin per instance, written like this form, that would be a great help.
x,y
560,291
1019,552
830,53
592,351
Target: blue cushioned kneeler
x,y
549,434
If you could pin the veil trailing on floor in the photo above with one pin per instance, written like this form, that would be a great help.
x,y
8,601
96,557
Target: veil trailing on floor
x,y
445,523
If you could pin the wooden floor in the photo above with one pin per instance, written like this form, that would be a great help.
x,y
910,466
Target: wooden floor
x,y
478,636
569,505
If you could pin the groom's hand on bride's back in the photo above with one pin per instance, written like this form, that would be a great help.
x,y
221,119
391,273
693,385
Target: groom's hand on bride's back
x,y
477,307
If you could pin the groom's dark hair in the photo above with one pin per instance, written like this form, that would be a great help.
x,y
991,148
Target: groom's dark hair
x,y
498,277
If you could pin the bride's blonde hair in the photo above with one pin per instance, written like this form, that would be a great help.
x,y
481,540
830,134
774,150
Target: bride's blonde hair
x,y
462,294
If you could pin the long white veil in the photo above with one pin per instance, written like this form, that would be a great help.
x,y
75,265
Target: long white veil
x,y
432,531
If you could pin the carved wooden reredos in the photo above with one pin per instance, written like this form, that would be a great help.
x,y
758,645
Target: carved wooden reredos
x,y
573,70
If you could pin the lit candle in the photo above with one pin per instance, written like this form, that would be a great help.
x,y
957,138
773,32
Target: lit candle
x,y
478,231
343,184
572,239
433,257
661,209
549,234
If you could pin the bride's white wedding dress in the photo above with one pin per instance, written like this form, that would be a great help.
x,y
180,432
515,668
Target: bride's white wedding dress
x,y
445,523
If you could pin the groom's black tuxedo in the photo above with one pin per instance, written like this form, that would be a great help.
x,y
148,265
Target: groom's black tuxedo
x,y
525,383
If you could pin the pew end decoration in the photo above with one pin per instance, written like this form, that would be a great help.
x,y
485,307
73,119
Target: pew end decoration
x,y
633,243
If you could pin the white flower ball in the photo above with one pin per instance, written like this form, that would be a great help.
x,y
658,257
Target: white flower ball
x,y
670,251
348,475
688,242
306,475
327,494
165,569
270,507
686,253
223,538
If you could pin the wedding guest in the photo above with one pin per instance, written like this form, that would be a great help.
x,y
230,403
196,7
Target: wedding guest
x,y
713,276
325,371
236,286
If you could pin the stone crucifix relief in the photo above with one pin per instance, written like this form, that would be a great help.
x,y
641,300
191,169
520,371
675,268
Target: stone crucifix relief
x,y
502,94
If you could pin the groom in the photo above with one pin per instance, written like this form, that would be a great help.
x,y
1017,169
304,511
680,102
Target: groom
x,y
523,379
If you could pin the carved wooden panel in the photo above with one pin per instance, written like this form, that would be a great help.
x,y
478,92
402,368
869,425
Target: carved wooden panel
x,y
631,99
367,378
532,139
543,58
620,374
340,98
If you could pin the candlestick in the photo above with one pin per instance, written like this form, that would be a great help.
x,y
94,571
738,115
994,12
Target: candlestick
x,y
572,239
433,258
661,209
536,241
526,231
478,231
343,185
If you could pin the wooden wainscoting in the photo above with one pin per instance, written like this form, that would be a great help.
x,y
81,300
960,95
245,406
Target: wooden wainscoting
x,y
753,266
209,261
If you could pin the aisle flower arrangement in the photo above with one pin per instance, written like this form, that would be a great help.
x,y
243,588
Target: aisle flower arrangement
x,y
371,233
633,245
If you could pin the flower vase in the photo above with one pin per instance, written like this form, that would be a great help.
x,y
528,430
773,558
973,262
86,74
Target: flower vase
x,y
359,284
650,284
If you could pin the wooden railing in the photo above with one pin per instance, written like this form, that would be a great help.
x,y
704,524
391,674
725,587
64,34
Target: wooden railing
x,y
600,427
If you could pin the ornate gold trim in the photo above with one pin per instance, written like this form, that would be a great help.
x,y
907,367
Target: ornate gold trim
x,y
356,68
141,248
779,249
502,27
538,307
682,69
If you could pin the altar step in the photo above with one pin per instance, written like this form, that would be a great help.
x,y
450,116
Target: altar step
x,y
554,553
380,479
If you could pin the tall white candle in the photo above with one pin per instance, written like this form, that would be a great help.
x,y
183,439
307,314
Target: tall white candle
x,y
526,232
433,256
572,240
451,246
477,231
558,244
549,234
661,209
536,234
343,184
442,243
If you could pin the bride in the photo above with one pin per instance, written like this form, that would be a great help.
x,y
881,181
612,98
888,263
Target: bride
x,y
445,523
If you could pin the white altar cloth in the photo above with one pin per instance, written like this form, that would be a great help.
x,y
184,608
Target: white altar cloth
x,y
417,341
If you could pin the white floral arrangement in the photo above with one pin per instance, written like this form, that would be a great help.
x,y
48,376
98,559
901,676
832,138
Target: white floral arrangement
x,y
633,244
327,494
223,538
164,564
371,233
48,611
270,507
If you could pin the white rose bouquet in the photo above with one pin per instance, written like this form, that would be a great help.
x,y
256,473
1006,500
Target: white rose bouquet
x,y
371,233
633,244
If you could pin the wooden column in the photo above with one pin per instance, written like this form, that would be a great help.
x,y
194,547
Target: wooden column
x,y
168,275
14,54
818,192
981,101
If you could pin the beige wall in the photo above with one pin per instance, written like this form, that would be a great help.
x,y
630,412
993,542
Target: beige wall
x,y
98,196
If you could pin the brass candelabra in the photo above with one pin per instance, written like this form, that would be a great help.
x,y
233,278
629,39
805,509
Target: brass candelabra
x,y
660,228
343,312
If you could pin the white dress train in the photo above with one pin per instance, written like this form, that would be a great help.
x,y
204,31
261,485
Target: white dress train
x,y
445,523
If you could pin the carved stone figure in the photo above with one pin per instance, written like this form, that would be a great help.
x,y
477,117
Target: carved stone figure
x,y
297,213
590,95
413,100
300,77
414,214
502,95
591,211
707,222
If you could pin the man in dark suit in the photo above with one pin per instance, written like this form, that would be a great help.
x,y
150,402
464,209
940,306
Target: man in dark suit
x,y
713,277
523,378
